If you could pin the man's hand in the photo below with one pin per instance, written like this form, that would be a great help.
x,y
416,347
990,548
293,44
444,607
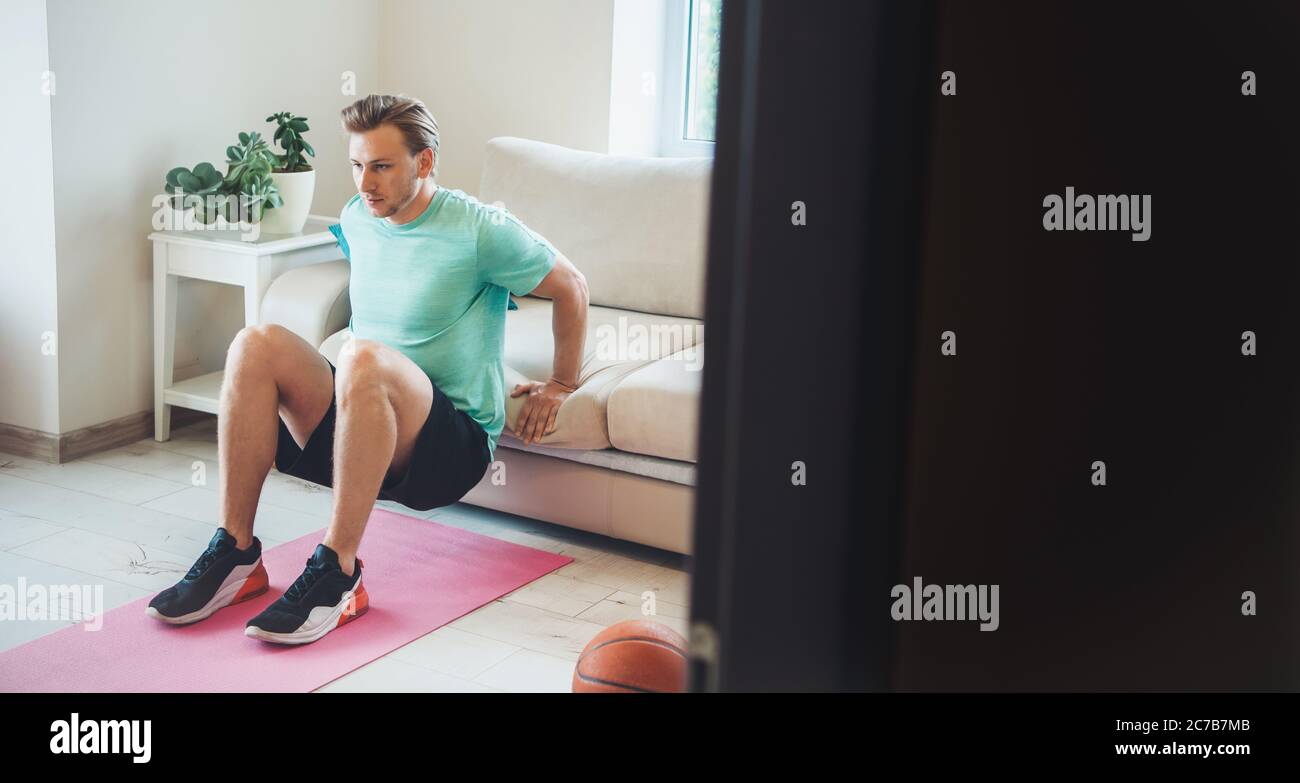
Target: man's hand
x,y
540,409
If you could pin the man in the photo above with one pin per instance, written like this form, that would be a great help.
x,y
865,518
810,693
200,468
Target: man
x,y
414,408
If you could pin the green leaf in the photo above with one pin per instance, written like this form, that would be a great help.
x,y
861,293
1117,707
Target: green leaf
x,y
308,148
272,117
243,138
171,175
298,125
189,182
204,171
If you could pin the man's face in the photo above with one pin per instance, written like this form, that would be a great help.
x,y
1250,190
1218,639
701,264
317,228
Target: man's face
x,y
386,174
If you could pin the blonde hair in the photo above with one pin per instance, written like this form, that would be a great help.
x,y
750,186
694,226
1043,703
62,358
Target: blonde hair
x,y
409,115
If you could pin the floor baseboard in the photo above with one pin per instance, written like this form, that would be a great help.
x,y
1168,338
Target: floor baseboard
x,y
50,447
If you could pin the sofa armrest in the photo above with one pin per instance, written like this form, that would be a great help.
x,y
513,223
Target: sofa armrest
x,y
310,301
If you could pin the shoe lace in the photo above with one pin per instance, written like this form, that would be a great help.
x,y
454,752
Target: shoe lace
x,y
304,581
210,554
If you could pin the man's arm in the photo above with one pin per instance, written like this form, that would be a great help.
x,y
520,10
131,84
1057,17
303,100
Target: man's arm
x,y
565,286
567,289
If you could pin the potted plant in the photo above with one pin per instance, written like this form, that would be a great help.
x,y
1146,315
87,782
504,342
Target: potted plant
x,y
242,196
189,189
248,181
294,178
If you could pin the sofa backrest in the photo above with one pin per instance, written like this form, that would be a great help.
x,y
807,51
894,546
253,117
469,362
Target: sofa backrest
x,y
635,227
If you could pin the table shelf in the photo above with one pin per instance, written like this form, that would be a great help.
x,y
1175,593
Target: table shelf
x,y
222,257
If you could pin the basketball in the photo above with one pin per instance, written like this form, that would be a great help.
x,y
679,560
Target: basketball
x,y
634,656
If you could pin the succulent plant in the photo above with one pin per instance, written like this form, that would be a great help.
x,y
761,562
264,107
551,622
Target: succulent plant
x,y
247,189
183,183
289,134
260,194
252,155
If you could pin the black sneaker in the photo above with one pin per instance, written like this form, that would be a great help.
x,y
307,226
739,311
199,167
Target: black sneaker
x,y
223,575
320,600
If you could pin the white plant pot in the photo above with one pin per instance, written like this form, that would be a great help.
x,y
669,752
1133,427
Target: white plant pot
x,y
297,190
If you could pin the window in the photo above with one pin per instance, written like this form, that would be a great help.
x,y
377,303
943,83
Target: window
x,y
692,41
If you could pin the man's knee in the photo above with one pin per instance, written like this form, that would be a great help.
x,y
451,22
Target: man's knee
x,y
360,368
259,341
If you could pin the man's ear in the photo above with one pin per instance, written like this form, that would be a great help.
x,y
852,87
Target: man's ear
x,y
426,162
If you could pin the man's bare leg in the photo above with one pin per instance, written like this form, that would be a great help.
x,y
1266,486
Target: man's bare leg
x,y
383,399
271,373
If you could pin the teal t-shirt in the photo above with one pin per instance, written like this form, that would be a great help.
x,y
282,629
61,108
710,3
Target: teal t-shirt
x,y
437,289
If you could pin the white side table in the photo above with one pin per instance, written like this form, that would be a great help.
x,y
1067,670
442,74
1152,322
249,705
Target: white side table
x,y
222,257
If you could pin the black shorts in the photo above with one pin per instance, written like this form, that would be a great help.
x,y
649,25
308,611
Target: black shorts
x,y
450,456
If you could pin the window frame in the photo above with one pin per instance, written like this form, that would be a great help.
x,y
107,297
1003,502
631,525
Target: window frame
x,y
672,108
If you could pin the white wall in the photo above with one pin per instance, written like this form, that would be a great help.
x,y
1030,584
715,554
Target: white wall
x,y
539,69
636,77
29,378
147,85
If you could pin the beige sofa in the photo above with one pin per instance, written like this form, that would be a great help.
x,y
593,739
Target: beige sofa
x,y
622,459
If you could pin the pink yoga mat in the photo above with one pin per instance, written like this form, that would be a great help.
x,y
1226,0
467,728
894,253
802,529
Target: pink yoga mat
x,y
419,574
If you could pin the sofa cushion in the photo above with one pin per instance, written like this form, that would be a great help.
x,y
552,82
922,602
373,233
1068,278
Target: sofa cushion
x,y
618,342
636,227
311,301
333,344
655,410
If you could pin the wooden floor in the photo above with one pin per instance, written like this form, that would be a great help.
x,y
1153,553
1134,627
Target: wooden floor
x,y
133,520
